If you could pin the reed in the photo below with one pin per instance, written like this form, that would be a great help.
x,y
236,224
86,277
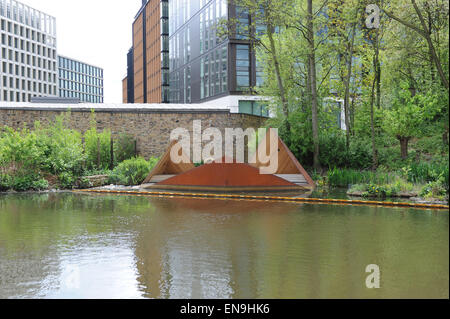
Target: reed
x,y
344,177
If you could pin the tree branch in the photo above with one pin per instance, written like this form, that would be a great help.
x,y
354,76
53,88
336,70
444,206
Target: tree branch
x,y
406,24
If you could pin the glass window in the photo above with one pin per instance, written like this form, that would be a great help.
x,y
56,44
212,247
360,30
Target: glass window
x,y
242,66
243,23
245,107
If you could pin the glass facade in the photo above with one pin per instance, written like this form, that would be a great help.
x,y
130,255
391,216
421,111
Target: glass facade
x,y
203,63
28,60
80,80
253,107
198,56
198,62
165,93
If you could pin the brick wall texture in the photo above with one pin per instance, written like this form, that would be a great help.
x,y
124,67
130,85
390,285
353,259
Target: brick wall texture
x,y
150,129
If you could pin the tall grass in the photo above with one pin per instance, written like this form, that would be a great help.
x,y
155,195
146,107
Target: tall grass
x,y
345,177
426,172
417,173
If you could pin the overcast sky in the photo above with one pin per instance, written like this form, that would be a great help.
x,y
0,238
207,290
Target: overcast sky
x,y
97,32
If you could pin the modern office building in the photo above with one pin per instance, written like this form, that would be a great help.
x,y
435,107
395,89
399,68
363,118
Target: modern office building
x,y
128,81
28,64
148,65
80,80
197,64
206,65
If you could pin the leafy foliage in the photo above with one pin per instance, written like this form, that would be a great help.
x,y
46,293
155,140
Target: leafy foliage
x,y
53,151
62,147
132,171
98,147
124,147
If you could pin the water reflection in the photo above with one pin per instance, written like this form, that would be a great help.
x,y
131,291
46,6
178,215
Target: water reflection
x,y
84,246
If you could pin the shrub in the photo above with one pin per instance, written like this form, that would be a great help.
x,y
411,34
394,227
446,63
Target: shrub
x,y
382,190
25,155
97,142
62,147
334,152
5,182
425,172
432,145
66,180
435,189
26,182
40,184
360,154
132,171
390,157
20,150
123,147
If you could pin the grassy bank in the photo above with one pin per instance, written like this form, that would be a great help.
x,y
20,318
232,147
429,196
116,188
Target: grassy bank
x,y
430,181
58,157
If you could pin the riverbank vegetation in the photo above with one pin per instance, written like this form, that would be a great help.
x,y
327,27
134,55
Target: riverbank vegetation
x,y
55,156
370,102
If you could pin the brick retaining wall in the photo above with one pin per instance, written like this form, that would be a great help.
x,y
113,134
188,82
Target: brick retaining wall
x,y
150,128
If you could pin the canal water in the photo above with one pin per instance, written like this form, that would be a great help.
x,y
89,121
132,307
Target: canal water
x,y
103,246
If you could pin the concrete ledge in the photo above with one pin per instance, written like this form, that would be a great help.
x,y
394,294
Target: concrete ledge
x,y
114,110
111,107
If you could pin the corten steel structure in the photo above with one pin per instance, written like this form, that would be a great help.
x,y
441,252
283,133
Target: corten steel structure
x,y
148,68
166,169
28,58
229,175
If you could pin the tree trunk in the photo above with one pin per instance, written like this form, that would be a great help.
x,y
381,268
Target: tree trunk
x,y
445,136
347,86
279,80
404,146
377,83
432,73
378,75
352,114
427,36
313,85
372,127
424,33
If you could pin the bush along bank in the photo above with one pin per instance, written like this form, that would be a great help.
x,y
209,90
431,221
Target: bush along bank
x,y
56,157
423,181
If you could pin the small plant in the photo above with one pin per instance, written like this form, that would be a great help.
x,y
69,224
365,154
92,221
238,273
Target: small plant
x,y
84,183
383,190
40,184
124,147
66,180
97,147
5,182
434,189
345,177
199,164
23,183
132,171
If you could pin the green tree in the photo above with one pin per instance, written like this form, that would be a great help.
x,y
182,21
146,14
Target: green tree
x,y
405,120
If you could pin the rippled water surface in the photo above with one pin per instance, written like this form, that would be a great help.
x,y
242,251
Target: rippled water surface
x,y
95,246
